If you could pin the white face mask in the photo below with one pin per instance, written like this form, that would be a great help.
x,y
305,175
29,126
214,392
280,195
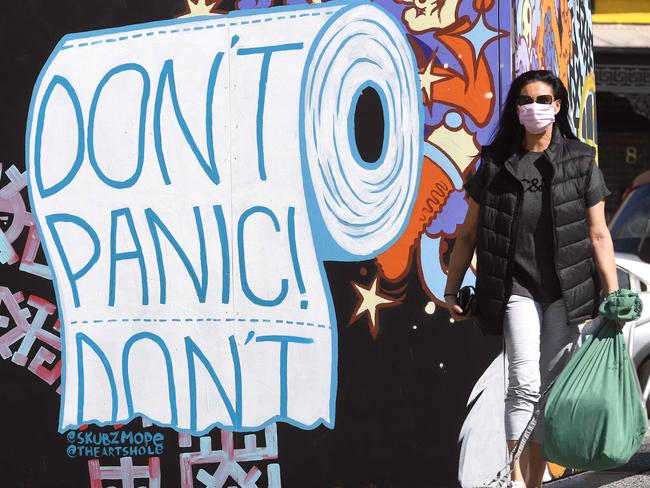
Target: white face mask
x,y
536,117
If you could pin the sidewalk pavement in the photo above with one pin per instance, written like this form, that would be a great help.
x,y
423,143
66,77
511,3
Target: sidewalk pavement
x,y
635,474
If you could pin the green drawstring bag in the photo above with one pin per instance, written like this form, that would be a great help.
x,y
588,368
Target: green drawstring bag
x,y
622,304
594,417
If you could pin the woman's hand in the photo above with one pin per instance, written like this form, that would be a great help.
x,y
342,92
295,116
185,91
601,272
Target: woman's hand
x,y
621,306
456,312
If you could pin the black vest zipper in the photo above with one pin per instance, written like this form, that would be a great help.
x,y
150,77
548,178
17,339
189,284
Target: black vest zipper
x,y
555,250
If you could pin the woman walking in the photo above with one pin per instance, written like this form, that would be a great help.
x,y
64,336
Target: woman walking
x,y
545,257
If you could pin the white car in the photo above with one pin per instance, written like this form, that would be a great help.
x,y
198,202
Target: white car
x,y
634,274
630,230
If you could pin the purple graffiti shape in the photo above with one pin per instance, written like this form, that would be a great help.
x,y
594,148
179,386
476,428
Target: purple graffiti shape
x,y
450,216
246,4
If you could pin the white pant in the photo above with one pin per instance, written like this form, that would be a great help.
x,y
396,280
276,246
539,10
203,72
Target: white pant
x,y
538,344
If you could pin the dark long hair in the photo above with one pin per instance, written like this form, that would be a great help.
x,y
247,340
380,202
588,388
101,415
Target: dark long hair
x,y
509,128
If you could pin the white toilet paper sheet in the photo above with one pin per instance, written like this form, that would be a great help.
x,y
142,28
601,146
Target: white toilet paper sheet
x,y
189,178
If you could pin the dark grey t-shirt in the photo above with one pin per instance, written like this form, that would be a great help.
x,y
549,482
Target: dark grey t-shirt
x,y
534,273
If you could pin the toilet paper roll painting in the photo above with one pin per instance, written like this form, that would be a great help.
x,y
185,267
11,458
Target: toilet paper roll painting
x,y
189,178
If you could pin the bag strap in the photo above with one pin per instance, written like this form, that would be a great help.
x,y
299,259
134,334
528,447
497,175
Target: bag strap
x,y
504,473
517,450
521,443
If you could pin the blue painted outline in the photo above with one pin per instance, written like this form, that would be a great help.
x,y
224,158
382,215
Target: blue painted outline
x,y
316,222
192,350
293,248
53,219
336,146
330,8
167,78
225,253
29,164
327,247
420,105
441,159
154,222
219,425
220,320
239,396
338,108
352,138
115,256
385,104
146,90
284,283
171,386
82,338
284,341
267,53
322,240
57,80
338,195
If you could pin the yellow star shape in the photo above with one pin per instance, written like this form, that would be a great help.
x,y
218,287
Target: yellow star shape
x,y
427,78
371,302
198,8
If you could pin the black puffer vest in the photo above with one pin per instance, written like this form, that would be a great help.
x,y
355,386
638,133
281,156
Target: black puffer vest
x,y
571,161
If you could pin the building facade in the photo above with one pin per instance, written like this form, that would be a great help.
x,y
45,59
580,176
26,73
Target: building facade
x,y
622,64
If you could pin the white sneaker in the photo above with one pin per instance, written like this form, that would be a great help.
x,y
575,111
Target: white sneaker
x,y
518,484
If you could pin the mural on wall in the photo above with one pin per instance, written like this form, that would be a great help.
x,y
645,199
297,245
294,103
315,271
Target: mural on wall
x,y
456,46
159,313
557,35
255,248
